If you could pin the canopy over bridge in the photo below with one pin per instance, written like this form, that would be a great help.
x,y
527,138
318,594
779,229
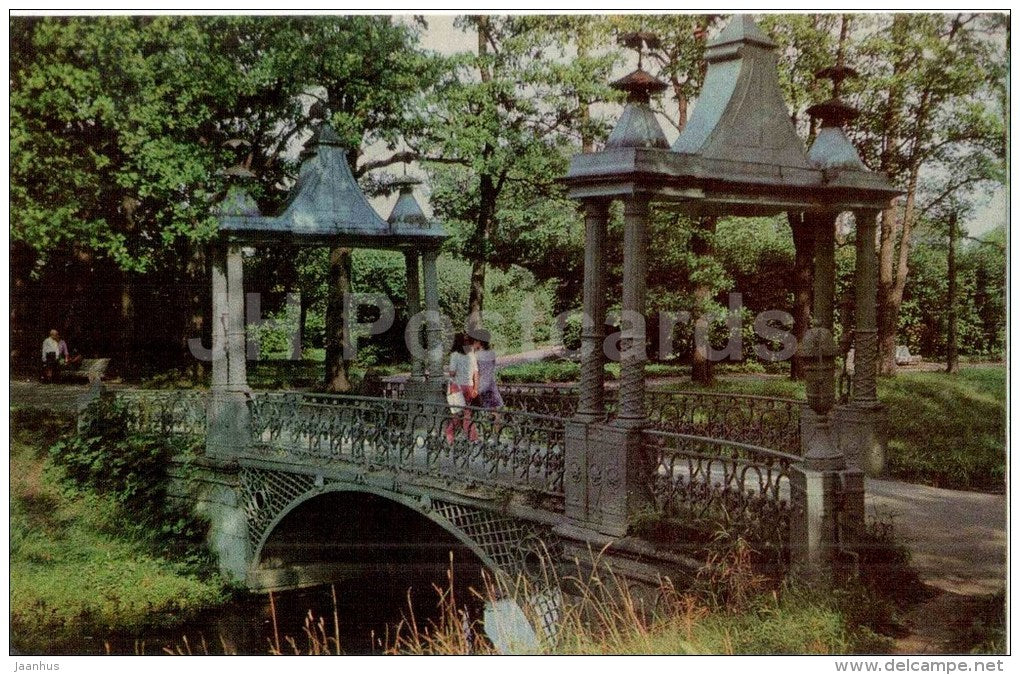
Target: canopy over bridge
x,y
326,207
739,154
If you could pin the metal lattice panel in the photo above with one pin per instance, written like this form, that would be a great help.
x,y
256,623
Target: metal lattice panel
x,y
513,545
509,542
266,494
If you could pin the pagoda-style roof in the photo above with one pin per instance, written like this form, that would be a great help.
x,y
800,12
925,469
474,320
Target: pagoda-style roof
x,y
739,153
740,115
325,207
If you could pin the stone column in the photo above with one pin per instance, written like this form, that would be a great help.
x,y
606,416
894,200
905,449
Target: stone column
x,y
414,308
236,355
858,424
591,405
817,353
433,329
827,497
229,418
632,343
220,311
825,269
865,326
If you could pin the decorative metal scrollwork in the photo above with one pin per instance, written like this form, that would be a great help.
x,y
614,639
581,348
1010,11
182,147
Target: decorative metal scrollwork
x,y
499,448
163,413
757,420
712,484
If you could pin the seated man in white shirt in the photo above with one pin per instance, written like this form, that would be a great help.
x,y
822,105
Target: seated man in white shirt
x,y
51,356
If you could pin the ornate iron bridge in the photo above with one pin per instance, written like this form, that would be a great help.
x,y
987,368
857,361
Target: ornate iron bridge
x,y
496,477
764,421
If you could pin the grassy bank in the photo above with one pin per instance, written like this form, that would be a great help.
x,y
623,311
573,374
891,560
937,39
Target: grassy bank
x,y
947,430
77,567
729,608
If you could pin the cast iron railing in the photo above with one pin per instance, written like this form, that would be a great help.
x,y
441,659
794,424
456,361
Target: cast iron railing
x,y
168,413
758,420
702,483
506,448
711,485
743,418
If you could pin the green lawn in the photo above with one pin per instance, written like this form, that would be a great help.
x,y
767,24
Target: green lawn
x,y
74,566
947,430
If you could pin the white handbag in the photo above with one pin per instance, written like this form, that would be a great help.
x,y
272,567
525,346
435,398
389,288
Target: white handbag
x,y
456,401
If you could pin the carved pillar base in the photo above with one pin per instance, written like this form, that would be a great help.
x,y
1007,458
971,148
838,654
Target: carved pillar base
x,y
826,520
428,390
859,436
228,428
812,522
606,476
819,442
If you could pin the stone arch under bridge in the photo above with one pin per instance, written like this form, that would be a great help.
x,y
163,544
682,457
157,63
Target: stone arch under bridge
x,y
504,544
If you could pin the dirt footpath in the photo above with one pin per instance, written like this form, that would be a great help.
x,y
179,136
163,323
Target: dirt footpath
x,y
958,539
958,545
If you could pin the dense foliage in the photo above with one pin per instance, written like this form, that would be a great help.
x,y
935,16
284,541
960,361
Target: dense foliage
x,y
131,469
82,568
118,127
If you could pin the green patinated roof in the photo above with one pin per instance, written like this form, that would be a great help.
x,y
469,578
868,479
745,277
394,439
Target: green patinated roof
x,y
326,207
739,152
741,115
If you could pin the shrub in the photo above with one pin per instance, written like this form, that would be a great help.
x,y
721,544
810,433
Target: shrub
x,y
130,467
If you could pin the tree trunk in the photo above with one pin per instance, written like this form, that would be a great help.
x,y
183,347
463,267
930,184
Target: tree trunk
x,y
701,245
952,364
483,226
302,322
893,279
885,314
126,333
890,224
199,274
486,202
337,337
803,283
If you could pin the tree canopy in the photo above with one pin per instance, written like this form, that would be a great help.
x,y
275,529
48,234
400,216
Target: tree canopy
x,y
119,131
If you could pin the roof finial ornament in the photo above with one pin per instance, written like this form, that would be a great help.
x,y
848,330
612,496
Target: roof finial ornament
x,y
637,126
242,158
639,41
237,201
835,111
640,84
831,148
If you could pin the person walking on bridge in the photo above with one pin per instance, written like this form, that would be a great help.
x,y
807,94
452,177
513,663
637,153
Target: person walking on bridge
x,y
463,386
488,389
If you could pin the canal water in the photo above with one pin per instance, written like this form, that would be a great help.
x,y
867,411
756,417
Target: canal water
x,y
369,611
391,564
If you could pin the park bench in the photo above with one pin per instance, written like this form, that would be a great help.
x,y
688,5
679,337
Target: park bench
x,y
904,357
92,369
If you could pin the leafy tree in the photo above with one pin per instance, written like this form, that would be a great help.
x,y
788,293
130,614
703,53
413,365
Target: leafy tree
x,y
932,101
116,132
507,114
117,128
